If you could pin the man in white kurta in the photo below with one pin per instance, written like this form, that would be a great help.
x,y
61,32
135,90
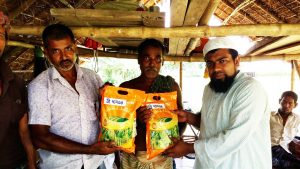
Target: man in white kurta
x,y
234,131
234,125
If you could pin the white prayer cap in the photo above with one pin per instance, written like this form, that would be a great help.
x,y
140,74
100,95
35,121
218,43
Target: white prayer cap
x,y
220,42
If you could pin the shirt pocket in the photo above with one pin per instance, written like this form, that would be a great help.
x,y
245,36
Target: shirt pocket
x,y
293,132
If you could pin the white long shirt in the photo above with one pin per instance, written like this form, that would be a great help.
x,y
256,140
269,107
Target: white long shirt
x,y
283,135
53,102
234,129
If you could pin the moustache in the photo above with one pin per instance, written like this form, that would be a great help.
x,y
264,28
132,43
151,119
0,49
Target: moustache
x,y
216,73
151,69
65,62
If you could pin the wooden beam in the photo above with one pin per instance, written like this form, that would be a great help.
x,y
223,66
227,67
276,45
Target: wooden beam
x,y
292,75
178,32
24,6
276,44
297,66
207,10
261,43
212,6
100,17
284,49
196,11
178,9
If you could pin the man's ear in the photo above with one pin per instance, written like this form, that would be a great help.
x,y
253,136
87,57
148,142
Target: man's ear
x,y
237,61
296,104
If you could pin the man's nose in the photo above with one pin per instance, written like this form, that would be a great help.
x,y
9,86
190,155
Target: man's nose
x,y
217,67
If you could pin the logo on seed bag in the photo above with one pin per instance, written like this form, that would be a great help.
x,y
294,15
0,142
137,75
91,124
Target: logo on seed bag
x,y
115,102
155,106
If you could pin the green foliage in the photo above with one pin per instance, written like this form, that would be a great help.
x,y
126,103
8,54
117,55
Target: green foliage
x,y
162,139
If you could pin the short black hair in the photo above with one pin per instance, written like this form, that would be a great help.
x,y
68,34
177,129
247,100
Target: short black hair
x,y
56,32
153,43
290,94
233,53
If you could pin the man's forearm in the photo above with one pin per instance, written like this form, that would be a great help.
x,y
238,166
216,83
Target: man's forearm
x,y
194,119
59,144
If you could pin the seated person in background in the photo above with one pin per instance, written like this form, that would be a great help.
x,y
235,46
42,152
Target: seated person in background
x,y
150,59
284,127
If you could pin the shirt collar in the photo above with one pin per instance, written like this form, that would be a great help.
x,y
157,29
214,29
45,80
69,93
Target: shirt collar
x,y
276,113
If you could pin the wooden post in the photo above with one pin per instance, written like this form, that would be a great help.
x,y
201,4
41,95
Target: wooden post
x,y
292,75
180,75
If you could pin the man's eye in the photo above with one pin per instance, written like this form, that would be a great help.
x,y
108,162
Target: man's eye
x,y
69,49
222,61
55,51
158,59
146,58
208,64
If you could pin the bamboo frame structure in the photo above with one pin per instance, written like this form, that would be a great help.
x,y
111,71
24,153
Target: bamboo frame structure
x,y
178,32
193,58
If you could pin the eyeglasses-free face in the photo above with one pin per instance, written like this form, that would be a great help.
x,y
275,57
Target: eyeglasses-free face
x,y
150,61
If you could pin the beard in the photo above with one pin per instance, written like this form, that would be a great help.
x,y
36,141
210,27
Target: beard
x,y
221,85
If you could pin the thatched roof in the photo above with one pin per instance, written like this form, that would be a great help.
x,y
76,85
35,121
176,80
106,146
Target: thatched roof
x,y
126,27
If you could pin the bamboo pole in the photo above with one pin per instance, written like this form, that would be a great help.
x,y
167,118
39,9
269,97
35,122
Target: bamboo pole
x,y
292,75
180,75
177,32
194,58
20,44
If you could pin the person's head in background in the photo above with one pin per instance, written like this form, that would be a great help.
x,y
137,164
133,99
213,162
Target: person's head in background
x,y
288,101
4,29
150,57
60,47
222,62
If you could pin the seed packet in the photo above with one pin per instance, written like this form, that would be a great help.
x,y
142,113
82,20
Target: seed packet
x,y
163,124
118,116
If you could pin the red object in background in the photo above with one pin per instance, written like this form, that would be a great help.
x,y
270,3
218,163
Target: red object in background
x,y
90,43
199,49
140,9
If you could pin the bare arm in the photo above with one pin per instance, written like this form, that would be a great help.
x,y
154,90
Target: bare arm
x,y
44,139
26,141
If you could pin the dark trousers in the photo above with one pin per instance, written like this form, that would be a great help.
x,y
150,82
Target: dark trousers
x,y
281,159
